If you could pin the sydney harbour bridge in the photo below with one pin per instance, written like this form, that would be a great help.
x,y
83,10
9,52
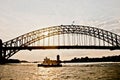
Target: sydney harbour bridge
x,y
61,37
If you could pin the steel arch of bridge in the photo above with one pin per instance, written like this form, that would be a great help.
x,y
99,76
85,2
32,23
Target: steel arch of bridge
x,y
10,47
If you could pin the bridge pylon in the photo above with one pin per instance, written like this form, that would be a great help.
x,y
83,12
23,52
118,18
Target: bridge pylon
x,y
2,58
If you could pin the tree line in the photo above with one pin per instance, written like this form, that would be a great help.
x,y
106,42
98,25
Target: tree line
x,y
87,59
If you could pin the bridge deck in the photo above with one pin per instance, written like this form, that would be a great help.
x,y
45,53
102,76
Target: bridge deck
x,y
62,47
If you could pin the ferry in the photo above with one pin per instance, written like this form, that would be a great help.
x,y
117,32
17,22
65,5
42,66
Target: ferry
x,y
51,63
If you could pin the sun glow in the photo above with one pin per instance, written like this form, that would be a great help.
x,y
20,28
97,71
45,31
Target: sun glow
x,y
45,33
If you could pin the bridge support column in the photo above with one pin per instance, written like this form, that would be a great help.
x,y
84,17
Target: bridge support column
x,y
2,58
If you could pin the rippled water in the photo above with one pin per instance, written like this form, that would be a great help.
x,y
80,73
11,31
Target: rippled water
x,y
81,71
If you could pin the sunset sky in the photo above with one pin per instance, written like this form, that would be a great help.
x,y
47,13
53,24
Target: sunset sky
x,y
18,17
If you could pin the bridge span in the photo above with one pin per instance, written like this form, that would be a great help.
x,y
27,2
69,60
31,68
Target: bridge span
x,y
61,37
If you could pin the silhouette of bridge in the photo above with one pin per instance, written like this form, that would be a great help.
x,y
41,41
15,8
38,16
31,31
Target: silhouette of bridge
x,y
61,37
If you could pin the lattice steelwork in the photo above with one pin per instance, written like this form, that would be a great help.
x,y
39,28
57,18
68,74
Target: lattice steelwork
x,y
63,36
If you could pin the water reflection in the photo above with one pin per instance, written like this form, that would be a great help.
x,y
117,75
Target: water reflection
x,y
96,71
99,71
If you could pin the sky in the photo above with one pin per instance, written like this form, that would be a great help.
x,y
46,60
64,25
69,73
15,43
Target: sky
x,y
18,17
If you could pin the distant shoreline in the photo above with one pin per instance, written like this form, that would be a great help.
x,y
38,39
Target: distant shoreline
x,y
74,60
87,59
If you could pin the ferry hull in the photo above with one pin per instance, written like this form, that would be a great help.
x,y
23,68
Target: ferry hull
x,y
41,65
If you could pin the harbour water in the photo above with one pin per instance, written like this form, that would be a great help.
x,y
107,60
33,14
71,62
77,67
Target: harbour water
x,y
80,71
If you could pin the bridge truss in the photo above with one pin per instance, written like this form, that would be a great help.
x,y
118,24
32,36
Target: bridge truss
x,y
61,37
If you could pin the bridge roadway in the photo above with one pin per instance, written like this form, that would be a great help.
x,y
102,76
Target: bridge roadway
x,y
61,47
